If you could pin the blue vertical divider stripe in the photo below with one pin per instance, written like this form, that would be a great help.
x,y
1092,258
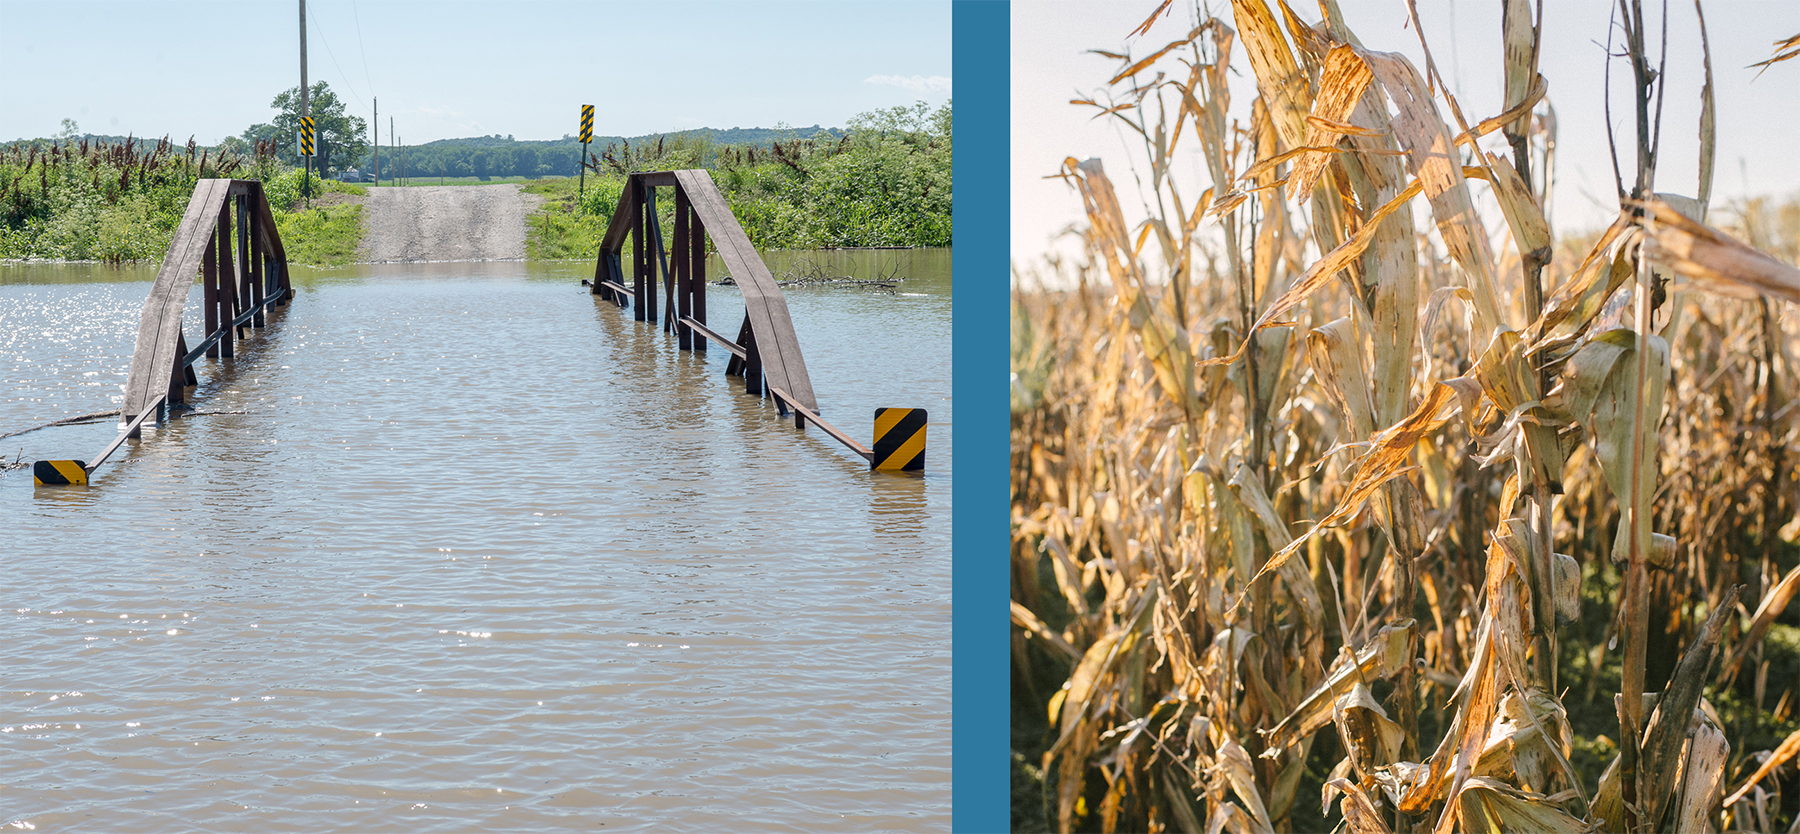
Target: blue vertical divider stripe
x,y
980,760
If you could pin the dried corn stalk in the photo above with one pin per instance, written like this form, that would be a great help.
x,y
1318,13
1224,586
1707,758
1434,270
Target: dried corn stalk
x,y
1265,485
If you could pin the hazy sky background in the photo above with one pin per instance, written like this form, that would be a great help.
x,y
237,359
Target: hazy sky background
x,y
1758,119
445,70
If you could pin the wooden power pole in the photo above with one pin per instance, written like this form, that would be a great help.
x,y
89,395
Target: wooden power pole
x,y
305,105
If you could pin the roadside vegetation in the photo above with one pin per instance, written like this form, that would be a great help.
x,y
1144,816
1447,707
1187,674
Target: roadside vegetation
x,y
1331,519
886,182
83,200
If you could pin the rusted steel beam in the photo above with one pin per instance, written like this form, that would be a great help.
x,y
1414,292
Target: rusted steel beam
x,y
619,290
178,379
159,358
228,283
250,249
683,309
209,299
802,415
159,326
131,428
735,365
696,272
763,299
708,332
279,283
638,249
652,252
624,220
656,178
753,363
660,262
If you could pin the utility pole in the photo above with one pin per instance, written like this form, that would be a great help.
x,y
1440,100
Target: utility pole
x,y
305,105
377,126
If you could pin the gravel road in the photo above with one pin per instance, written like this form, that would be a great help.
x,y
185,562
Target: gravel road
x,y
445,223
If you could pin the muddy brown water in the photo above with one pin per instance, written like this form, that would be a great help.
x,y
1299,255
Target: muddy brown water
x,y
454,546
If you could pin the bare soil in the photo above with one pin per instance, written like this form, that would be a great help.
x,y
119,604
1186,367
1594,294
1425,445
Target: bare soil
x,y
445,223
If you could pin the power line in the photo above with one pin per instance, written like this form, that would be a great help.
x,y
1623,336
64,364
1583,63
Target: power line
x,y
341,73
359,48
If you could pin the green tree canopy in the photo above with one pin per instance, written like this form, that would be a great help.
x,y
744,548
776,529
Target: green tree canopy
x,y
346,135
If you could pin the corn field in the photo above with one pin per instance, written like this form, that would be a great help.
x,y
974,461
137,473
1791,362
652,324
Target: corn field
x,y
1327,519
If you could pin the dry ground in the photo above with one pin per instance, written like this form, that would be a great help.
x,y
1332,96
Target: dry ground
x,y
445,223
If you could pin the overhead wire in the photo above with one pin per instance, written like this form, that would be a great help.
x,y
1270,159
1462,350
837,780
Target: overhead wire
x,y
357,16
334,62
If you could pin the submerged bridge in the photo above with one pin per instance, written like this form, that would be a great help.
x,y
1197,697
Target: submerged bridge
x,y
228,239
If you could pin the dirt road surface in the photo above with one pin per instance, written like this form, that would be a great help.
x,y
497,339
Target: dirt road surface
x,y
445,223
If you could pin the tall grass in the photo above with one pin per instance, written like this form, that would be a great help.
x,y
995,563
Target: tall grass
x,y
1326,519
115,201
886,183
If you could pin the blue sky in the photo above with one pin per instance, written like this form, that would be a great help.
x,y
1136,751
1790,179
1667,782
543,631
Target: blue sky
x,y
1758,118
451,69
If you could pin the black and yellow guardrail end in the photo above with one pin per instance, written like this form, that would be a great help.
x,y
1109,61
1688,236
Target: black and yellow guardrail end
x,y
59,472
899,440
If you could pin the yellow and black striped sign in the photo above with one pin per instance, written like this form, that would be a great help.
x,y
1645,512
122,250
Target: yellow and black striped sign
x,y
59,472
587,123
306,136
899,439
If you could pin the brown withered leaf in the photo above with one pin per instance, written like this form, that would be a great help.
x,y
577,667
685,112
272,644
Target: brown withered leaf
x,y
1299,582
1521,58
1342,84
1343,128
1368,735
1389,451
1023,618
1337,359
1433,160
1575,304
1140,65
1614,404
1784,49
1144,28
1773,604
1164,341
1522,212
1360,814
1321,272
1701,776
1672,722
1382,656
1519,111
1708,122
1486,805
1788,748
1278,76
1240,772
1716,261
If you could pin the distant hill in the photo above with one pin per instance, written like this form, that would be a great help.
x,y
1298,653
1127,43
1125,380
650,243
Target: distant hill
x,y
504,156
761,136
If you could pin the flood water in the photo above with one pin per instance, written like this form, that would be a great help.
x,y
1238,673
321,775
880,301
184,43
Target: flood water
x,y
456,546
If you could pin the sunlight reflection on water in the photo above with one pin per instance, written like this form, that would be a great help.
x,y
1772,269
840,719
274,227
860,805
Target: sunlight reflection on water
x,y
453,545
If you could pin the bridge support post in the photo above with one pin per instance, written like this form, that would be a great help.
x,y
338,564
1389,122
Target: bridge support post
x,y
228,284
696,269
684,267
639,269
652,252
209,296
753,366
249,255
178,380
